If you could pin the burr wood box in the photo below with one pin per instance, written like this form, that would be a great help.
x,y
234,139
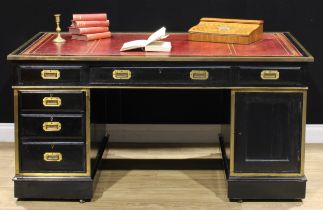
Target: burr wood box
x,y
233,31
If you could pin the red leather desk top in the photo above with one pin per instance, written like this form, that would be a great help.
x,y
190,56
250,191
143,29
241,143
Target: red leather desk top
x,y
272,45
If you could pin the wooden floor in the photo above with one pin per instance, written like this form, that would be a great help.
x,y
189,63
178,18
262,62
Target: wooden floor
x,y
143,178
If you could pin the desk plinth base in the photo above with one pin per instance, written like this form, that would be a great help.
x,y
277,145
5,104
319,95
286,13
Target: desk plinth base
x,y
80,188
266,188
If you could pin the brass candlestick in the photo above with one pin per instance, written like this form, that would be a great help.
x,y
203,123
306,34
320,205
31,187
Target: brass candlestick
x,y
58,39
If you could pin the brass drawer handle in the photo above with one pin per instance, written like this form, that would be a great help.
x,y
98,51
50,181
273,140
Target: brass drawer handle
x,y
53,157
199,75
269,75
52,101
121,74
52,126
50,74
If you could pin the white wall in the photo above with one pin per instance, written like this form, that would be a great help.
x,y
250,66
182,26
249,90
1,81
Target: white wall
x,y
166,133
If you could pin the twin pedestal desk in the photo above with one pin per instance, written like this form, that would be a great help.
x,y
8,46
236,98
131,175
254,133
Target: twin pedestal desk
x,y
61,92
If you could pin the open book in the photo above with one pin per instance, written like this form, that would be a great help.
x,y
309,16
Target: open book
x,y
151,44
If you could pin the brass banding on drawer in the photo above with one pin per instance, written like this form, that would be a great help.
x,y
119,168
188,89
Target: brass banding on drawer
x,y
121,74
269,74
50,74
53,157
199,74
52,101
52,126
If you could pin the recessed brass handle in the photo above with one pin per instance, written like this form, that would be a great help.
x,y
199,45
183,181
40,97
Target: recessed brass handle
x,y
50,74
199,75
52,101
269,75
52,126
53,157
121,74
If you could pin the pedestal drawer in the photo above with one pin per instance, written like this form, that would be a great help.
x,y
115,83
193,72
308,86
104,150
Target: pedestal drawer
x,y
53,101
52,125
39,158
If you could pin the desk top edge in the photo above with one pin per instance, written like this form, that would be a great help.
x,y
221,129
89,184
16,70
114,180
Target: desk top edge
x,y
306,56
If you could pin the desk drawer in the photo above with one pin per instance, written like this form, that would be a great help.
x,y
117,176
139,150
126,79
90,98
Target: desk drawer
x,y
269,75
49,75
160,75
197,75
50,126
39,158
123,75
53,101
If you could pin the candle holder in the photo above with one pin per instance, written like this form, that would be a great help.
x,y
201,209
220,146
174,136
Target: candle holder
x,y
58,39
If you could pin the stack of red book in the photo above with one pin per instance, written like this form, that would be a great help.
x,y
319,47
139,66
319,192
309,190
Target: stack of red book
x,y
90,26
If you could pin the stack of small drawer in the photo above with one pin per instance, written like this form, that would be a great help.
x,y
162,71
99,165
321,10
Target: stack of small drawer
x,y
51,133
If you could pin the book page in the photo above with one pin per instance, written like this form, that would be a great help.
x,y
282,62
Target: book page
x,y
133,45
159,46
159,34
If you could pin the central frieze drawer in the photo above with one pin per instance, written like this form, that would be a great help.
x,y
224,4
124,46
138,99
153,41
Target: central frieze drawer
x,y
50,74
48,158
52,125
198,75
43,101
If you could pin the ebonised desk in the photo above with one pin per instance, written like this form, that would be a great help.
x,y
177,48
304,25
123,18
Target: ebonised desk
x,y
60,139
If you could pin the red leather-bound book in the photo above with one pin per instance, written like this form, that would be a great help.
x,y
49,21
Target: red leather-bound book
x,y
85,24
91,30
91,17
89,37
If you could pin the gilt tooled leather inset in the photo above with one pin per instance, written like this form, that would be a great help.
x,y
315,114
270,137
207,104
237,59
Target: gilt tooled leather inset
x,y
271,45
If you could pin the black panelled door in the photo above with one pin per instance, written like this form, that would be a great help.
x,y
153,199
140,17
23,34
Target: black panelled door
x,y
268,128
